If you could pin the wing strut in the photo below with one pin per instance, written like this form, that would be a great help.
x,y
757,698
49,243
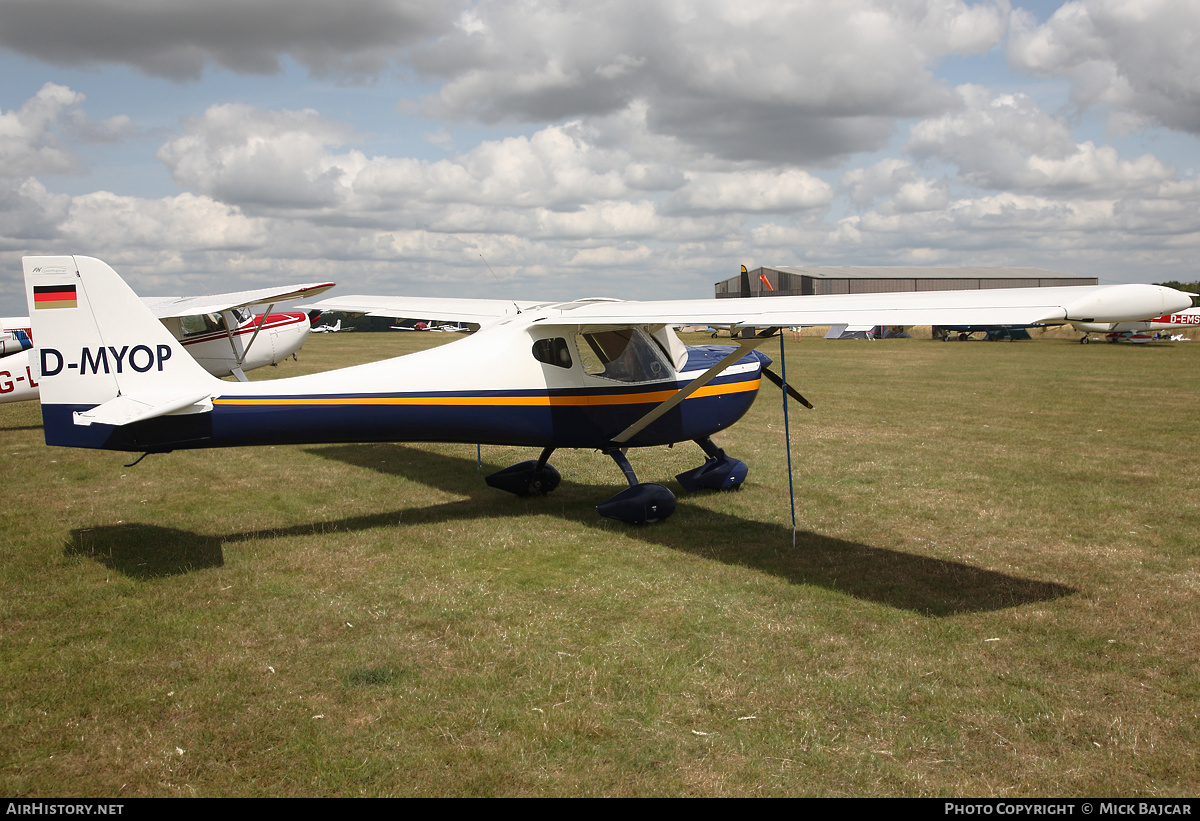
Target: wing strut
x,y
240,357
787,433
744,346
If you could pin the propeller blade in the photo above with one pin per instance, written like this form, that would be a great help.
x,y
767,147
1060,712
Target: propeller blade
x,y
792,392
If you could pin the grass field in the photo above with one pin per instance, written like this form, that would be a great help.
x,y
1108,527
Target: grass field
x,y
994,592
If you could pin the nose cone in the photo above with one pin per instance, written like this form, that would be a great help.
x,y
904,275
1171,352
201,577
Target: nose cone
x,y
763,360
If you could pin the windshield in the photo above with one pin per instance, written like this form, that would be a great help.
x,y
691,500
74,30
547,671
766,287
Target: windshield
x,y
626,355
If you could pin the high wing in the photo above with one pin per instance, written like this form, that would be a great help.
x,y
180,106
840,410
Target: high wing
x,y
474,311
1006,306
167,307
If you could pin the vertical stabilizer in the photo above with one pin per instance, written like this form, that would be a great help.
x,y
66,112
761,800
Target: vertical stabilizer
x,y
100,352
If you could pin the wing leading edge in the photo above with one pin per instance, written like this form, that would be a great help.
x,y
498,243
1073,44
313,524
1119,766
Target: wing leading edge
x,y
1005,306
1008,306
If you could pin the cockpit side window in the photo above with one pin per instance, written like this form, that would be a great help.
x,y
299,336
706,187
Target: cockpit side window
x,y
553,352
626,355
201,324
242,314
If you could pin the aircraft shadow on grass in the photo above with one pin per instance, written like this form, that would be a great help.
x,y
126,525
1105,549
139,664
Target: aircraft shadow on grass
x,y
930,586
933,587
146,551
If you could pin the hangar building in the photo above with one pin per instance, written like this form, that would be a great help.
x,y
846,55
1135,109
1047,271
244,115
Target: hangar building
x,y
821,280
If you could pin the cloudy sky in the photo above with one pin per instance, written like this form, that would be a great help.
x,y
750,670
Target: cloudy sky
x,y
622,147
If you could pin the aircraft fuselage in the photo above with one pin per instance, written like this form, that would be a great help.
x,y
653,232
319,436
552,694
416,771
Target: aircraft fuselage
x,y
490,388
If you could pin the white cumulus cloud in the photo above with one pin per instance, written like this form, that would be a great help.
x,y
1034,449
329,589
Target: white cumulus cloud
x,y
1005,141
785,82
178,38
1138,57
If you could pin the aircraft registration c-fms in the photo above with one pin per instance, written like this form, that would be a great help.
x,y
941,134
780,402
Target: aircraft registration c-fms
x,y
594,373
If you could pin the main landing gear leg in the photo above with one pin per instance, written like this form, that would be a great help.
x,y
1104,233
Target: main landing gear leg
x,y
641,502
531,478
719,472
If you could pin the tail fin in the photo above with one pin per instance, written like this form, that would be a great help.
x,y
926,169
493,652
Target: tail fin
x,y
103,357
14,341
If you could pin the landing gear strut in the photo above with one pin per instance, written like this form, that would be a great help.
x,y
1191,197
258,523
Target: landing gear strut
x,y
719,472
641,502
531,478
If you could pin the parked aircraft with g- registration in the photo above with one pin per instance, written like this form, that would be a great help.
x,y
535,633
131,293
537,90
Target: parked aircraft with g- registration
x,y
219,331
593,373
14,335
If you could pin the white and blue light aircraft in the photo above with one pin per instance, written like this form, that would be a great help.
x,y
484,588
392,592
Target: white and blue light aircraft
x,y
594,373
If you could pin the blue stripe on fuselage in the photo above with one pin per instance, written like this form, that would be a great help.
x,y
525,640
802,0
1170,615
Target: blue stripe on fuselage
x,y
276,420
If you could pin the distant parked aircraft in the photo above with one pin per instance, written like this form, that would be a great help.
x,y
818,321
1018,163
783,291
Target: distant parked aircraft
x,y
1141,331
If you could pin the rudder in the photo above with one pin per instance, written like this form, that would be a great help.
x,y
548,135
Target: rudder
x,y
103,357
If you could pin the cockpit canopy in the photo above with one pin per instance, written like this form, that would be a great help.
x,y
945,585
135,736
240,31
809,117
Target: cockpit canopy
x,y
625,355
211,323
628,355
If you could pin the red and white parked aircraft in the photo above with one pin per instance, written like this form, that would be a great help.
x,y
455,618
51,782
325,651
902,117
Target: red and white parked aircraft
x,y
1141,331
219,331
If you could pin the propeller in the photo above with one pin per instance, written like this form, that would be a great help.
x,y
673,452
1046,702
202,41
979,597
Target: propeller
x,y
778,380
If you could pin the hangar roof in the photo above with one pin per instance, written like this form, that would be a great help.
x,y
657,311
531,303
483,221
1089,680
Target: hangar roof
x,y
861,272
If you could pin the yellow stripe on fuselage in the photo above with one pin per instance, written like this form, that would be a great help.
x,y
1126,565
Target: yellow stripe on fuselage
x,y
544,401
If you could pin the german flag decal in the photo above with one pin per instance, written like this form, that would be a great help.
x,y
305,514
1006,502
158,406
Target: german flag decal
x,y
53,296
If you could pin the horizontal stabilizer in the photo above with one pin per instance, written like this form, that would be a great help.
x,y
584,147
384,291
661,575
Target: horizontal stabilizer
x,y
125,410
